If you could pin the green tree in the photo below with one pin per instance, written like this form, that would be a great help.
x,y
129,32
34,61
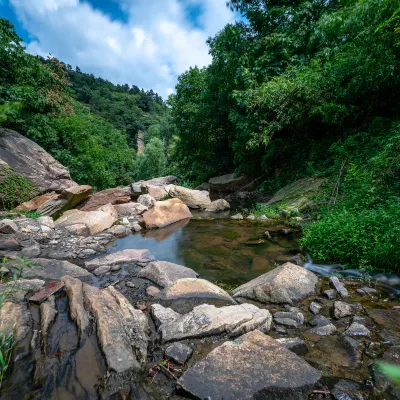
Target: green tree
x,y
152,162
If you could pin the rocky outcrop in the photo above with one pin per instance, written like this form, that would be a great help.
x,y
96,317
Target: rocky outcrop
x,y
192,198
37,202
84,223
165,213
33,162
228,183
164,273
208,320
286,284
109,196
254,366
154,187
15,318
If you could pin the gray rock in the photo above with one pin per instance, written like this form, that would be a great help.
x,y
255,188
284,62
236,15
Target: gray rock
x,y
119,231
192,198
230,372
178,352
319,320
292,319
55,270
228,183
31,251
331,294
130,285
8,226
237,216
334,281
164,273
286,284
364,291
102,270
207,320
354,349
357,329
9,244
47,221
21,288
152,291
15,318
146,200
349,390
315,307
296,345
324,330
340,309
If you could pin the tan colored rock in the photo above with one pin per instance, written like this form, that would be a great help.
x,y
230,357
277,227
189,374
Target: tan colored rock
x,y
38,201
127,209
192,198
15,318
108,196
48,314
288,283
165,213
218,206
95,221
157,192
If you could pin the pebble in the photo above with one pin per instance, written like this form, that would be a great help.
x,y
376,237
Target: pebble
x,y
178,352
367,291
356,329
330,294
152,291
130,285
324,330
340,309
315,307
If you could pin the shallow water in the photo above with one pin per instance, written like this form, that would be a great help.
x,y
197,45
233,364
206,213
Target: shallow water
x,y
219,250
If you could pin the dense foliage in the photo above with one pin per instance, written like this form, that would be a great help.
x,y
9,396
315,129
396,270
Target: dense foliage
x,y
305,88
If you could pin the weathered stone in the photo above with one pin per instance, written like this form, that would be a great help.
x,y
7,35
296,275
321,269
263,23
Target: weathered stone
x,y
286,284
146,200
178,352
324,330
237,216
54,270
330,294
356,329
340,309
130,285
152,291
367,291
192,198
350,390
78,314
315,307
9,244
46,292
296,345
37,202
127,209
334,281
230,372
128,256
31,251
32,162
114,196
95,221
8,226
382,383
157,192
78,229
47,221
102,270
319,320
164,273
206,320
292,319
122,330
119,231
194,289
165,213
21,287
228,183
48,314
15,318
354,349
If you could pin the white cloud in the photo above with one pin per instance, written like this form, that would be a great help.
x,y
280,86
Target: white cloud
x,y
157,42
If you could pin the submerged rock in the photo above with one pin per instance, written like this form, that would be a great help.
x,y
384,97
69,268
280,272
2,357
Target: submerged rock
x,y
243,369
164,273
296,345
286,284
207,320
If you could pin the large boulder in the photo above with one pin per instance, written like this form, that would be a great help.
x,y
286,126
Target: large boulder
x,y
218,206
37,202
154,187
33,162
165,213
288,284
228,183
192,198
208,320
108,196
254,366
88,222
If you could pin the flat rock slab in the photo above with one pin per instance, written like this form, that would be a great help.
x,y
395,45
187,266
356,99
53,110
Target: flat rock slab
x,y
207,320
286,284
164,273
55,270
128,256
46,292
254,366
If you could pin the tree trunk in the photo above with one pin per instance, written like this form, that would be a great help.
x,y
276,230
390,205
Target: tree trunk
x,y
140,142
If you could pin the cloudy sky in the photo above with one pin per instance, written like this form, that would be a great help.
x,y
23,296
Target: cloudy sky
x,y
147,43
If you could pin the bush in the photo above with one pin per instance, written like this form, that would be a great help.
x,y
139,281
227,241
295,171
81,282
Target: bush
x,y
152,162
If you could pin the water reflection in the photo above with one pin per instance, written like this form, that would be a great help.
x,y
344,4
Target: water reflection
x,y
219,250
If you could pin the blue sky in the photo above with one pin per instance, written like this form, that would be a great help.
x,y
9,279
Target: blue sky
x,y
147,43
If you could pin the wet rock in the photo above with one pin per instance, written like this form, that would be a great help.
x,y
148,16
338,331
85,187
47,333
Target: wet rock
x,y
330,294
291,319
197,290
178,352
128,256
229,372
286,284
315,307
338,286
48,314
354,349
122,330
340,309
164,273
152,291
296,345
146,200
364,291
218,206
165,213
47,291
95,221
55,270
8,226
207,320
374,349
391,356
15,318
31,251
357,329
109,196
237,216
